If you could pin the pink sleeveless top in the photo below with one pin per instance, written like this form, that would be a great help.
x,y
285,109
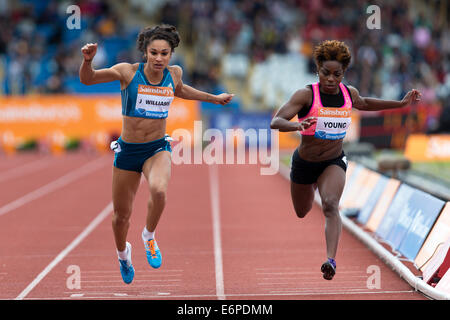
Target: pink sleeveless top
x,y
332,123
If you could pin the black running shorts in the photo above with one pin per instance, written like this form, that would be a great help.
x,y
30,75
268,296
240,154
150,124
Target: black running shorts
x,y
307,172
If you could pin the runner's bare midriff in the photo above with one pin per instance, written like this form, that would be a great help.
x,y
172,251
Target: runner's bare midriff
x,y
315,150
141,130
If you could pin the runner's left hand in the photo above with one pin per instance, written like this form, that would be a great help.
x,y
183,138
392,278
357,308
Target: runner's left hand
x,y
411,97
224,98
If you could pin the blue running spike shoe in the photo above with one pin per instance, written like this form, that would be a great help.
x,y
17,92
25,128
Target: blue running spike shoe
x,y
328,269
152,251
126,267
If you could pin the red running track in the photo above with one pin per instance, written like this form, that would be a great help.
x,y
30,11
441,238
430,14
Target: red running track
x,y
227,232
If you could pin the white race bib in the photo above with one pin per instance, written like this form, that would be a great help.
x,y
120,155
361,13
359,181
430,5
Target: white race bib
x,y
154,101
332,123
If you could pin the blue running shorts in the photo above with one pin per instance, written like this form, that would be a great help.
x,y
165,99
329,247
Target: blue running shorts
x,y
131,156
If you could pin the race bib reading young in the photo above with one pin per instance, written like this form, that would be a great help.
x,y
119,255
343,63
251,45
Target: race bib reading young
x,y
332,123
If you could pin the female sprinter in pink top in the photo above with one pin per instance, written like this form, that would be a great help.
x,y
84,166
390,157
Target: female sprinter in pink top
x,y
324,113
147,89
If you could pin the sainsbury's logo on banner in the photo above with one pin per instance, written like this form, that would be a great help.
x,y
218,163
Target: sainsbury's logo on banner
x,y
82,117
108,112
421,147
39,113
439,147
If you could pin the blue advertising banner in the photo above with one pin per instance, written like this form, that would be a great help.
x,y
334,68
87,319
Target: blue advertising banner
x,y
350,181
367,209
427,210
399,204
405,217
255,125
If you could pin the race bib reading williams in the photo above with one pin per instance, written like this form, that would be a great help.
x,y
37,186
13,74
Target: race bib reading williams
x,y
154,101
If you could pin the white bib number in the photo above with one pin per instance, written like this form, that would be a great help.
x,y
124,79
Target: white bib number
x,y
334,125
154,101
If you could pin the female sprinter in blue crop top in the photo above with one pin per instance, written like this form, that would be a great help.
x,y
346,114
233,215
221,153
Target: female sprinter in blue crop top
x,y
147,91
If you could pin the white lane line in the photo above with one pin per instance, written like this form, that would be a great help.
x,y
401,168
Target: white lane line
x,y
54,185
98,219
160,272
303,278
145,286
215,211
319,293
24,169
108,295
319,290
119,280
150,277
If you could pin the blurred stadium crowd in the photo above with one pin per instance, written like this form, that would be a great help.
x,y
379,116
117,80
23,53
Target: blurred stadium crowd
x,y
264,47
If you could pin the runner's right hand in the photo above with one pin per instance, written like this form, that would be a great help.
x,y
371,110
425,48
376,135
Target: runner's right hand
x,y
89,50
308,122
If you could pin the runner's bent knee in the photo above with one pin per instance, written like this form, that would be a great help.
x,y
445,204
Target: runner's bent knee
x,y
330,205
302,210
158,192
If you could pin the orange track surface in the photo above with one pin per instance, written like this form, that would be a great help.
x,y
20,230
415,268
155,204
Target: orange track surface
x,y
227,233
